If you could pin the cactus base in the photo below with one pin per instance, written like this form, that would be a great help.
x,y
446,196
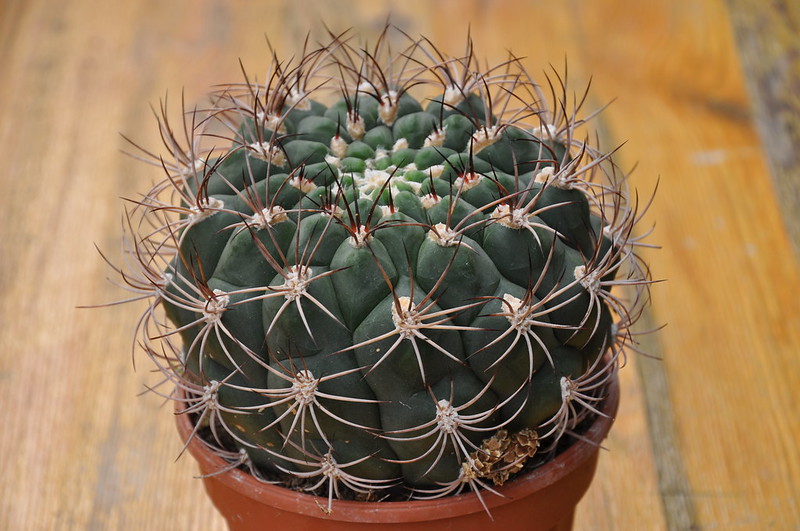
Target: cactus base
x,y
543,499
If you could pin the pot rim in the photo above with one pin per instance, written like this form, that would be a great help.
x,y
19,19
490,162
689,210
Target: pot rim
x,y
287,499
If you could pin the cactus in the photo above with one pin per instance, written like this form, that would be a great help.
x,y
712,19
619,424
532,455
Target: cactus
x,y
395,275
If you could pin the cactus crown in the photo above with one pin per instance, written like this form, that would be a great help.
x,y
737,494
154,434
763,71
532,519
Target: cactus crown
x,y
397,274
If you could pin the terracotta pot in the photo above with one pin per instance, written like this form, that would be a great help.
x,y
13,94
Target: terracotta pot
x,y
542,500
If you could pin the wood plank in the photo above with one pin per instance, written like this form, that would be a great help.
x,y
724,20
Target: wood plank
x,y
730,348
767,38
673,482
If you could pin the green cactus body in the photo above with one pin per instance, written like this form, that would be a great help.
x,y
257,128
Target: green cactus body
x,y
383,287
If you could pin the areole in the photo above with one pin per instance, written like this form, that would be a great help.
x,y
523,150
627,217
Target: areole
x,y
543,499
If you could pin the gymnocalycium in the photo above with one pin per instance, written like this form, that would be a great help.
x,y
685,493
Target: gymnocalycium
x,y
386,271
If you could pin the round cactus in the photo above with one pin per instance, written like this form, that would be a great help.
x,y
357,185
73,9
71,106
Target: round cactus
x,y
395,275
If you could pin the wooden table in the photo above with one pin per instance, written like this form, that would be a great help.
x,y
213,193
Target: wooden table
x,y
706,98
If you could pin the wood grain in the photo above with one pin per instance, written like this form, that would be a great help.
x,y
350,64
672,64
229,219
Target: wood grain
x,y
770,51
80,450
730,350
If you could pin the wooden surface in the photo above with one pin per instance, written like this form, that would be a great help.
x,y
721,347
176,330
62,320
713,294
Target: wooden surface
x,y
769,41
706,437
